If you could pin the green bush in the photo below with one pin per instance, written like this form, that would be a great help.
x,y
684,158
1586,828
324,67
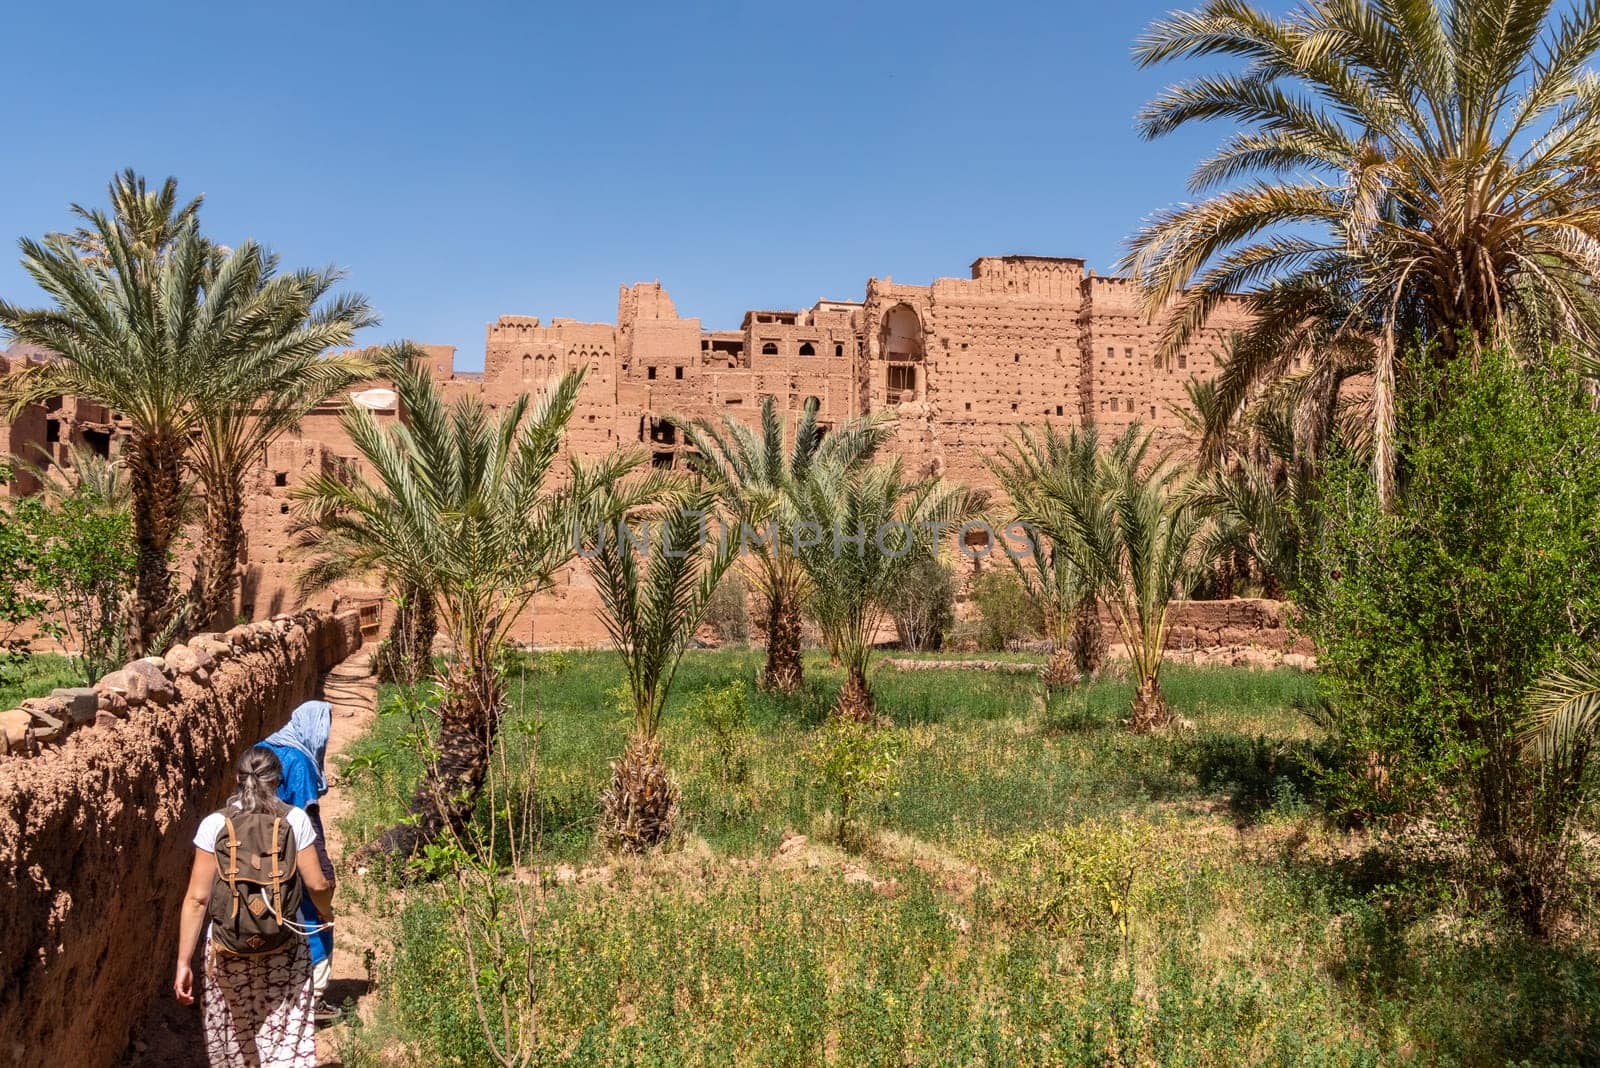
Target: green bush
x,y
857,763
1433,619
923,606
1006,615
727,613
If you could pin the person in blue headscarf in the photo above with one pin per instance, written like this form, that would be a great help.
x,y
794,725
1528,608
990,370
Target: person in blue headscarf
x,y
301,746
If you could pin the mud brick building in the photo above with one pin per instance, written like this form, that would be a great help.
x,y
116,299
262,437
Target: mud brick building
x,y
961,364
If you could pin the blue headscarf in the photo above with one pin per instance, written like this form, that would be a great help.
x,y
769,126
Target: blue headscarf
x,y
307,731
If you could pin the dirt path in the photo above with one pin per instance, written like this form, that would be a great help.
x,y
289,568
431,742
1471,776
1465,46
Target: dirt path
x,y
170,1035
353,691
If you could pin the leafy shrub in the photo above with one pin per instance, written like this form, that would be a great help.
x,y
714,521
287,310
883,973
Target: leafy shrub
x,y
857,763
1434,619
1006,615
923,606
722,712
728,613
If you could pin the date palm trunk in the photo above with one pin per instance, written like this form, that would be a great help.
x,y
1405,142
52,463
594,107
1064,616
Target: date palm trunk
x,y
855,698
155,468
469,722
1088,640
224,538
640,808
406,654
1150,708
783,672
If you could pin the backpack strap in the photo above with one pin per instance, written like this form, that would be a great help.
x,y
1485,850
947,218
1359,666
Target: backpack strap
x,y
277,885
231,877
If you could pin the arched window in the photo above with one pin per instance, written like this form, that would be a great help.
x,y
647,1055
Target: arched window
x,y
769,348
838,348
810,402
806,349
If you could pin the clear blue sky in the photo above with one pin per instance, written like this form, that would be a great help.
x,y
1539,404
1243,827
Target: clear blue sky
x,y
463,161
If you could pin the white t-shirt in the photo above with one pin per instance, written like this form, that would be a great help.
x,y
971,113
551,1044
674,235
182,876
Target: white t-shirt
x,y
304,833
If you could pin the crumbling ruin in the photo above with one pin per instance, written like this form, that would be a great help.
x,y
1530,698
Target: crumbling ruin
x,y
961,363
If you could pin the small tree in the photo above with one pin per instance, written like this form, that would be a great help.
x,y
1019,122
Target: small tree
x,y
20,603
85,568
752,470
1435,621
1054,577
1134,530
651,614
924,606
859,533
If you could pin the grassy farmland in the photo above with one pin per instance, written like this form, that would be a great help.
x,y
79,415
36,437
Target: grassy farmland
x,y
1038,887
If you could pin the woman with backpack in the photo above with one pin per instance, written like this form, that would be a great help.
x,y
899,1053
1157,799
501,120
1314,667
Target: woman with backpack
x,y
301,746
254,860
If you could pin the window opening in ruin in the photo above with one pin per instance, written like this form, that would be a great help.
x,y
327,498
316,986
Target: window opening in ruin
x,y
1013,405
650,373
963,346
814,400
734,400
969,406
1156,362
677,372
902,379
280,478
1183,361
52,431
1059,410
1130,354
1152,411
664,433
283,509
769,348
976,539
1113,404
806,349
1111,352
901,337
99,441
838,348
661,459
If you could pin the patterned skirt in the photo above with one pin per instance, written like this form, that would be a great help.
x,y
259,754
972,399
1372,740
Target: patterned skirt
x,y
258,1010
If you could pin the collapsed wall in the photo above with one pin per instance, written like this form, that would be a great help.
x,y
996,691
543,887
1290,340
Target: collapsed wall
x,y
96,825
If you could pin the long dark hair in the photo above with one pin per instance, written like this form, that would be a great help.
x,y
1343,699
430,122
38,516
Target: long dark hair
x,y
259,774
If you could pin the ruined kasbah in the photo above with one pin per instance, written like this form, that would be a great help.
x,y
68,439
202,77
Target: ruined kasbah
x,y
960,364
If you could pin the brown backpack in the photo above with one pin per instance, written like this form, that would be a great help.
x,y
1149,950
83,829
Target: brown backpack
x,y
258,886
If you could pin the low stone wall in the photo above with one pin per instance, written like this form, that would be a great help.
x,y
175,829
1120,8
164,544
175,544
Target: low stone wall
x,y
96,818
1239,621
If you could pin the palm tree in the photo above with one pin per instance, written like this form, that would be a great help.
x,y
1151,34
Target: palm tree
x,y
99,481
150,220
1422,173
651,614
1053,575
472,508
1135,533
865,528
135,328
274,369
752,470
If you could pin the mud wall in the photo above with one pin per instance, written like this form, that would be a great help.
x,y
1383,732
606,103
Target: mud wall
x,y
95,831
1236,621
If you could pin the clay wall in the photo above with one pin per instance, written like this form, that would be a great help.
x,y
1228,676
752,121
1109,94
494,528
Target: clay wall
x,y
961,364
95,832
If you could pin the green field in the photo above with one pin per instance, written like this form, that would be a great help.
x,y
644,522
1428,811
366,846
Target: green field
x,y
1040,887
